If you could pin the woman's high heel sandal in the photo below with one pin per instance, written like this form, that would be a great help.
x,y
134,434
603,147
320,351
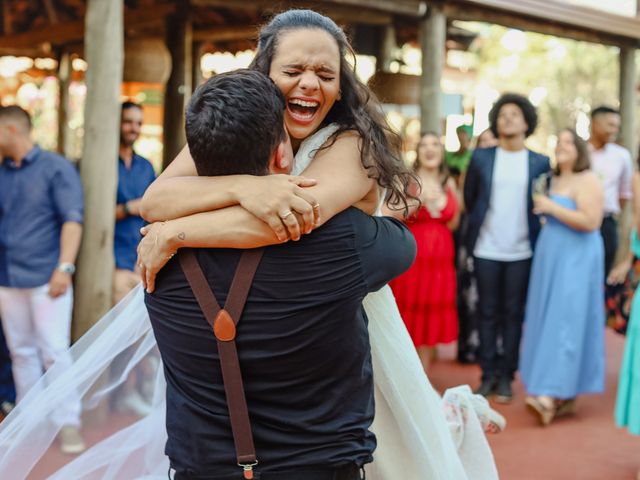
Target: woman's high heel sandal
x,y
545,413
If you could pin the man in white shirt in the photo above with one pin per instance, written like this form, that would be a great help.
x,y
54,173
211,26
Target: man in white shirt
x,y
612,163
502,231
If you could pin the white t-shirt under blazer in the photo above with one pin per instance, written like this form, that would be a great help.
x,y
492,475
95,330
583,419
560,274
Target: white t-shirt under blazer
x,y
504,235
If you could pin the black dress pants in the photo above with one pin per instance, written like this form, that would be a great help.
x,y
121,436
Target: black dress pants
x,y
350,472
502,293
609,231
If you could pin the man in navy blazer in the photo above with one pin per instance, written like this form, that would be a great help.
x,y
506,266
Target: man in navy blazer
x,y
501,235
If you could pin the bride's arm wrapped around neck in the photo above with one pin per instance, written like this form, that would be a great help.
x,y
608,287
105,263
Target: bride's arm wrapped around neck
x,y
342,181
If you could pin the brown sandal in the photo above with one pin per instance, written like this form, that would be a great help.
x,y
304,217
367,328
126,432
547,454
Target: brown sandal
x,y
544,413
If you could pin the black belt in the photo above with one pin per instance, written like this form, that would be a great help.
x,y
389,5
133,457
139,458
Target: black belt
x,y
350,472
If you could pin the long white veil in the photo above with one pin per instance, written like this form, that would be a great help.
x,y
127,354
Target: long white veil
x,y
416,441
121,443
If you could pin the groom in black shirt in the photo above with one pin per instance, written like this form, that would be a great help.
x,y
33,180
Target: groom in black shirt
x,y
302,340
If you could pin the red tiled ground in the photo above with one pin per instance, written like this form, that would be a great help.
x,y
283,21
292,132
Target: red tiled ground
x,y
586,447
53,459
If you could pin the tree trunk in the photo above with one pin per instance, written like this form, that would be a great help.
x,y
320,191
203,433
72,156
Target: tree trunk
x,y
99,167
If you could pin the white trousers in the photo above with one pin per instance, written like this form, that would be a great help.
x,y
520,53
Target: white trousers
x,y
38,330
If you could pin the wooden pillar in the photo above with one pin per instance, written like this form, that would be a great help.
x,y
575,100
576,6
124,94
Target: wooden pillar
x,y
628,99
627,137
64,79
6,24
196,73
99,167
178,89
387,49
433,35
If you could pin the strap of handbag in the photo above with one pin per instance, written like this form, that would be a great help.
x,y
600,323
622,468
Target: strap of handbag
x,y
223,321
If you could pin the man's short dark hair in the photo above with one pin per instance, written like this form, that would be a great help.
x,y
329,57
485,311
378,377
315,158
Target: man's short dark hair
x,y
523,103
234,123
17,115
602,109
129,104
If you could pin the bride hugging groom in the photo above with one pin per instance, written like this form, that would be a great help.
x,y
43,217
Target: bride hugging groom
x,y
318,318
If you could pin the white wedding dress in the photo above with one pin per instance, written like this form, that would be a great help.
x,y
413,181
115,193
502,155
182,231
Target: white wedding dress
x,y
420,435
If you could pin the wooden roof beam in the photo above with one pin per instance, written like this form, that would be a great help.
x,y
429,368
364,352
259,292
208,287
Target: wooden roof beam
x,y
476,14
550,17
62,33
410,8
51,11
225,33
339,13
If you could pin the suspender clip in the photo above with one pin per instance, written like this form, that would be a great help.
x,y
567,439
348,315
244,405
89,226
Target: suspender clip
x,y
248,469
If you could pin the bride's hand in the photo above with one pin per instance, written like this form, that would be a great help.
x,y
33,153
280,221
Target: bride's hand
x,y
154,252
275,199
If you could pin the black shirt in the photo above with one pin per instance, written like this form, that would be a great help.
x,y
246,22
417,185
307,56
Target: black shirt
x,y
302,342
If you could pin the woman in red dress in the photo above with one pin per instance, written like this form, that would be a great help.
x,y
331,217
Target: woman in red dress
x,y
426,293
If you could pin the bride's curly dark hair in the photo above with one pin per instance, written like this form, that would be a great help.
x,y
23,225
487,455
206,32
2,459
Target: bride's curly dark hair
x,y
358,109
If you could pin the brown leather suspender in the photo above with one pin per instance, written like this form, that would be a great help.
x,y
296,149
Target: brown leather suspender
x,y
223,322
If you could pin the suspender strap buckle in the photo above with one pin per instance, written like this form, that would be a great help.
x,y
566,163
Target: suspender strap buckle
x,y
223,327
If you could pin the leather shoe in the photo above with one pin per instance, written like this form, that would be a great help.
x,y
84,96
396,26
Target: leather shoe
x,y
487,387
503,392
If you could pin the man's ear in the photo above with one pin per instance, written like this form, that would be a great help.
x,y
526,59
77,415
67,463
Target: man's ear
x,y
282,162
279,163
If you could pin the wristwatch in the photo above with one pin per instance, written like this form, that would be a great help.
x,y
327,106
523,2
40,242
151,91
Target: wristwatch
x,y
68,268
125,209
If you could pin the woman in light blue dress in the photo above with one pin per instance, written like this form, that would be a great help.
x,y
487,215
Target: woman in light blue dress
x,y
563,345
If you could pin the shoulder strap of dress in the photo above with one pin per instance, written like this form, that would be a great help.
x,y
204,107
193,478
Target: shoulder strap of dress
x,y
310,146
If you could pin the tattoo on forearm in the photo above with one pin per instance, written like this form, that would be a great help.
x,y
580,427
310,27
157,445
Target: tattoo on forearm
x,y
182,236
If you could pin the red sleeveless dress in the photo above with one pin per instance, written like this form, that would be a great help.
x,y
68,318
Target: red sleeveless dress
x,y
426,293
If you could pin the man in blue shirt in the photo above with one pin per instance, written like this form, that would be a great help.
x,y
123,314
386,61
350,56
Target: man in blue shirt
x,y
302,340
135,174
41,214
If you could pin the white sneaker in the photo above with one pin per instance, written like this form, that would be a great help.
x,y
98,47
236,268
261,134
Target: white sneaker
x,y
71,441
132,402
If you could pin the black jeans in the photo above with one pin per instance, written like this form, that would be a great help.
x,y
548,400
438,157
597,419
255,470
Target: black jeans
x,y
351,472
502,293
609,231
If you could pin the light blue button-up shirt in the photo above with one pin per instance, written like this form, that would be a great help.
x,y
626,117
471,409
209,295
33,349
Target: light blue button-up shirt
x,y
36,199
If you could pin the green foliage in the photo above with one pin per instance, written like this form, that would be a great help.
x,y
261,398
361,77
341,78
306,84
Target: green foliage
x,y
577,76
